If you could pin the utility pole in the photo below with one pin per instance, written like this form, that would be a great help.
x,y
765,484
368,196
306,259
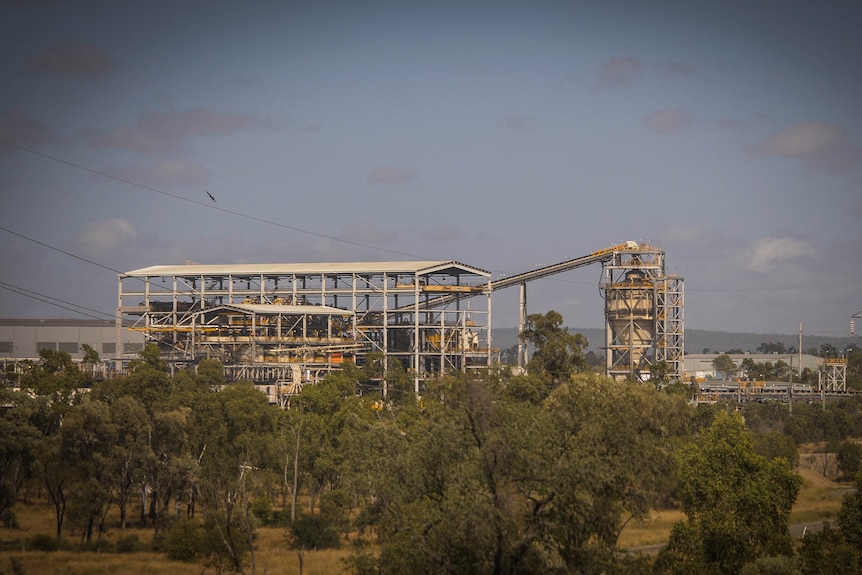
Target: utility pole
x,y
798,351
522,322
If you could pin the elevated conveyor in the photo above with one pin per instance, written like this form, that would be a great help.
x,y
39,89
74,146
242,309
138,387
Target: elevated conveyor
x,y
539,273
644,321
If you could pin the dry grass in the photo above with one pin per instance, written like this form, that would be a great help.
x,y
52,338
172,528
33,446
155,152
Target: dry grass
x,y
34,518
76,563
272,558
653,531
819,499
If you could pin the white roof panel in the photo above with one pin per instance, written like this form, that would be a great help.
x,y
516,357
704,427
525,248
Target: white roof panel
x,y
192,270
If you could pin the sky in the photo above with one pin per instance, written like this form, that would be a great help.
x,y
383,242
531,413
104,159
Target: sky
x,y
504,135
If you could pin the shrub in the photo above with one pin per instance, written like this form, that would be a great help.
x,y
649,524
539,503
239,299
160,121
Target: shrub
x,y
849,458
97,546
262,509
182,541
9,520
312,532
129,544
42,542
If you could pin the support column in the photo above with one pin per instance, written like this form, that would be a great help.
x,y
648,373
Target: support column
x,y
522,322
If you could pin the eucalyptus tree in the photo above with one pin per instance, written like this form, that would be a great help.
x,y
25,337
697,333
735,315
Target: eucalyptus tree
x,y
55,478
318,416
736,502
86,443
239,451
724,364
290,426
482,481
132,452
56,382
557,352
607,451
17,448
850,517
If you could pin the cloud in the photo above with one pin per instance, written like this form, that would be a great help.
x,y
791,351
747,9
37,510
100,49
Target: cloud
x,y
156,133
72,59
666,121
19,128
31,2
392,175
734,124
678,68
440,234
365,233
820,146
310,127
105,236
618,72
518,123
766,253
166,173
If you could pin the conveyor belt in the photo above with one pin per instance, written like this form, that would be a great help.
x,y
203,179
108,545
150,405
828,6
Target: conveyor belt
x,y
601,255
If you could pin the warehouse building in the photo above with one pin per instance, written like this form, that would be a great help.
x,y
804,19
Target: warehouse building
x,y
22,339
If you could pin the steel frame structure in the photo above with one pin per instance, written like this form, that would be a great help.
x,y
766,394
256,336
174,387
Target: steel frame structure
x,y
292,323
832,375
670,324
644,314
264,320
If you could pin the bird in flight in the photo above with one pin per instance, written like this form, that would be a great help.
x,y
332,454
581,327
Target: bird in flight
x,y
211,196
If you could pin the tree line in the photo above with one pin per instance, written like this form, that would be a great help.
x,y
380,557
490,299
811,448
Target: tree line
x,y
493,473
781,370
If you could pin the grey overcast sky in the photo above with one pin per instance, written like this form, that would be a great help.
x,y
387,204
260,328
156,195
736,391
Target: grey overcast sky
x,y
505,135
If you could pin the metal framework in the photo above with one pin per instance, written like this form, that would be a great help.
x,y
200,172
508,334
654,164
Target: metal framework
x,y
644,314
670,324
277,322
833,374
286,324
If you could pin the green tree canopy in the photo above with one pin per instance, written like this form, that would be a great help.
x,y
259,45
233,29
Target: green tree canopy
x,y
489,481
737,502
558,353
850,517
724,364
17,448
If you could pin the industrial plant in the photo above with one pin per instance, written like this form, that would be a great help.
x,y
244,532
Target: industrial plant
x,y
283,325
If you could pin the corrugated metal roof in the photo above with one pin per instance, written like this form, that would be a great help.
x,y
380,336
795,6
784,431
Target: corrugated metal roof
x,y
192,270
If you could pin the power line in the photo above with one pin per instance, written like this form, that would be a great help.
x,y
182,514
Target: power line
x,y
71,255
210,206
258,219
53,301
205,205
754,289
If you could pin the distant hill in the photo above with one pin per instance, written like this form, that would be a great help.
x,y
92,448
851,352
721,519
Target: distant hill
x,y
697,340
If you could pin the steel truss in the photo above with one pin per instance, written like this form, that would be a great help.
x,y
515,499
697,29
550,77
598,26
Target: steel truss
x,y
644,315
314,315
833,374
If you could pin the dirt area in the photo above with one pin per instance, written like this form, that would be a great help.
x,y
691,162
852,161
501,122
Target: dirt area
x,y
815,479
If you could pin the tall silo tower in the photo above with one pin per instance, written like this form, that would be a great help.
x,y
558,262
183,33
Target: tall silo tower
x,y
643,314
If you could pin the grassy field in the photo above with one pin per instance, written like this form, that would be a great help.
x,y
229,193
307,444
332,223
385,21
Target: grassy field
x,y
272,558
819,499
